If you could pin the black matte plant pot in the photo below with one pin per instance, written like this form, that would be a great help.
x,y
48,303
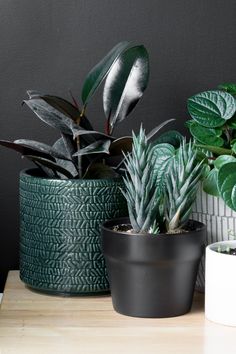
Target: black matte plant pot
x,y
60,242
152,275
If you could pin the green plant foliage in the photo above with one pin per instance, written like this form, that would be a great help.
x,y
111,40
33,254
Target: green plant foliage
x,y
172,137
213,127
42,163
99,72
182,182
210,136
228,87
215,149
222,160
81,149
163,155
227,184
160,184
140,192
125,83
210,183
212,108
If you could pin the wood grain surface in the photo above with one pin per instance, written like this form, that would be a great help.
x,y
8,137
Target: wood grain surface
x,y
31,323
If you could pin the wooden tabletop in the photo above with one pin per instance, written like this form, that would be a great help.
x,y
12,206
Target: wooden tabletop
x,y
35,323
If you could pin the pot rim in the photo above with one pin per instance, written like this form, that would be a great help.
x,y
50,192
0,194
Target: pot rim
x,y
213,247
201,227
26,172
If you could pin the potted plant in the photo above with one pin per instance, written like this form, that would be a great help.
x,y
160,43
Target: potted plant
x,y
213,126
76,185
220,285
152,257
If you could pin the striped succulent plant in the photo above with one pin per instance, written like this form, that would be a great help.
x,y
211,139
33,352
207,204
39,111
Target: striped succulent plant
x,y
146,194
140,191
181,186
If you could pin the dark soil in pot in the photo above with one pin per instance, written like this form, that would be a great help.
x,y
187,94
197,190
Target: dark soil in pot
x,y
152,275
229,251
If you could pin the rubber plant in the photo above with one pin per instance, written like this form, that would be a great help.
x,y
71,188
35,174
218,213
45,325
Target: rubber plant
x,y
213,126
81,151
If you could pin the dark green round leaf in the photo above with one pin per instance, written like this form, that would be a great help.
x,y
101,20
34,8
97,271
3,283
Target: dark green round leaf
x,y
228,87
222,160
212,108
163,155
233,147
227,183
210,183
205,135
231,123
172,137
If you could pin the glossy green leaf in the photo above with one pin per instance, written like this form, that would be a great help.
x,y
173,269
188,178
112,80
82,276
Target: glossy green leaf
x,y
163,155
98,170
206,169
33,93
227,184
66,146
49,164
156,130
98,147
93,133
125,84
212,108
210,183
231,123
172,137
24,150
209,136
121,145
233,147
228,87
43,148
52,116
215,149
99,72
222,160
62,106
68,109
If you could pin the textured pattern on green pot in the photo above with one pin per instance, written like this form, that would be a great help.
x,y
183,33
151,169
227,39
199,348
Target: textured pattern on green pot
x,y
60,232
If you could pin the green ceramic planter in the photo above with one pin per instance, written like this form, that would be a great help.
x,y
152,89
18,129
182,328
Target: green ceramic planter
x,y
60,244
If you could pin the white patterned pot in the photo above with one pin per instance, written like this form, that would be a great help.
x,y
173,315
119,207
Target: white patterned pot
x,y
220,284
220,221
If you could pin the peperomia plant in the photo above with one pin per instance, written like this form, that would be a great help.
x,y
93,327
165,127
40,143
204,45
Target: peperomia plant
x,y
213,127
161,183
81,151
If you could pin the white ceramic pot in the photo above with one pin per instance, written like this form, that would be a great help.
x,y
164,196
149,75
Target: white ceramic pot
x,y
220,291
220,221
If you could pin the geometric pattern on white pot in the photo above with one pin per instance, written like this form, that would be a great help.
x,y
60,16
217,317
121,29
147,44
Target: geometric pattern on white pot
x,y
221,225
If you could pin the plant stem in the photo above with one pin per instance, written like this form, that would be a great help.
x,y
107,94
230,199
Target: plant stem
x,y
78,143
227,133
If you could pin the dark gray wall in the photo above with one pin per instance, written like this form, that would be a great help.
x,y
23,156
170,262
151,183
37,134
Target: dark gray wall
x,y
50,45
